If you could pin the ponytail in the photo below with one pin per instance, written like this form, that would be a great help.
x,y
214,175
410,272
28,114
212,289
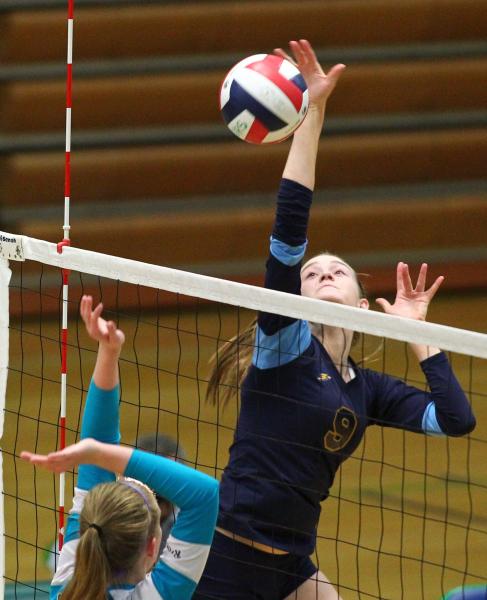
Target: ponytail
x,y
116,523
92,573
230,365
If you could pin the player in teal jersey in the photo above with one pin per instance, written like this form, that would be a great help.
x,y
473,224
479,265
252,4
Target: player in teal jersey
x,y
113,533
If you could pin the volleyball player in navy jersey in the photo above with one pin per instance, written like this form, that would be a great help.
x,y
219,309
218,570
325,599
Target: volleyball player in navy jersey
x,y
304,403
113,535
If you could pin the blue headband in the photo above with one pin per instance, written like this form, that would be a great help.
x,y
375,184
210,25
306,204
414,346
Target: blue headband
x,y
136,489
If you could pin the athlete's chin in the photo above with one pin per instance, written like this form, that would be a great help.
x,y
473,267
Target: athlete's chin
x,y
331,296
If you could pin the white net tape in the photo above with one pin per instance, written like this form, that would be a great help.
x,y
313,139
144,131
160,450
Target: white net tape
x,y
247,296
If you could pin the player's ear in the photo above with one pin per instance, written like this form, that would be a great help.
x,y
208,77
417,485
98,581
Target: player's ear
x,y
364,303
152,546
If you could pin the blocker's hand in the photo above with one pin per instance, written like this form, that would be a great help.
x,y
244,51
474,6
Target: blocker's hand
x,y
320,84
83,452
410,302
102,331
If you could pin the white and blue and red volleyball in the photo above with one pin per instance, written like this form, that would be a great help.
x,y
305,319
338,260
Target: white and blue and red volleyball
x,y
263,99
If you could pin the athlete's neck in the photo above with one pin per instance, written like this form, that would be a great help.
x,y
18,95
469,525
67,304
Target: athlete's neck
x,y
337,342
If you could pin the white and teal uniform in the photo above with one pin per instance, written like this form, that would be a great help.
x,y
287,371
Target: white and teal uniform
x,y
181,564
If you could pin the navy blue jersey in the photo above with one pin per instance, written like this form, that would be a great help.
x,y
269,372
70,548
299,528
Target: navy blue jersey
x,y
299,420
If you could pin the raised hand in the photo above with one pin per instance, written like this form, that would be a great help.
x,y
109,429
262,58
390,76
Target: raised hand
x,y
320,84
65,460
110,341
301,162
410,302
100,330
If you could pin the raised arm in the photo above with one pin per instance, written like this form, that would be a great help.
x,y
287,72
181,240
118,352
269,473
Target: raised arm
x,y
288,241
279,339
101,419
289,236
301,163
413,302
110,341
443,410
196,494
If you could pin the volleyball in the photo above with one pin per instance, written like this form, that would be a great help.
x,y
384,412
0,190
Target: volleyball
x,y
263,99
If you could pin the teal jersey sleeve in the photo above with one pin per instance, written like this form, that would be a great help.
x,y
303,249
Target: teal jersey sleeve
x,y
101,421
182,562
195,493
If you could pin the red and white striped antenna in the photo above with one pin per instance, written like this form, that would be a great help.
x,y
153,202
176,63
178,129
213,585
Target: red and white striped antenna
x,y
65,272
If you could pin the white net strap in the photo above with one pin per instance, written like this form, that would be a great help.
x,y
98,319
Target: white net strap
x,y
5,274
256,298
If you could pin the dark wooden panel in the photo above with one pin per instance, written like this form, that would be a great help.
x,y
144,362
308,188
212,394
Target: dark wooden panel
x,y
180,99
242,234
234,244
34,36
178,171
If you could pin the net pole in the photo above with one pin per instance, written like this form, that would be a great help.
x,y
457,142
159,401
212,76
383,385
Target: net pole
x,y
65,272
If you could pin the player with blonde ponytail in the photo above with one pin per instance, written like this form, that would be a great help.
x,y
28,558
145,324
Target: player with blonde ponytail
x,y
115,524
113,534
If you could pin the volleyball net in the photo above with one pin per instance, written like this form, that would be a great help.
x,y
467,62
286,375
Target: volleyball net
x,y
407,514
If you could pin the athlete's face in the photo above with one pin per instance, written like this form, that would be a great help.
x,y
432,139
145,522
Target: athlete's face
x,y
328,277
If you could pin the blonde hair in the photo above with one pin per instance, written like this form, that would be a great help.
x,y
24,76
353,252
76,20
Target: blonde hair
x,y
230,364
232,360
116,522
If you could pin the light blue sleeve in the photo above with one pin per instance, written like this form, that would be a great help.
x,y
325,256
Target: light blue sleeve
x,y
281,347
101,420
171,584
72,528
430,423
280,340
286,254
195,493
